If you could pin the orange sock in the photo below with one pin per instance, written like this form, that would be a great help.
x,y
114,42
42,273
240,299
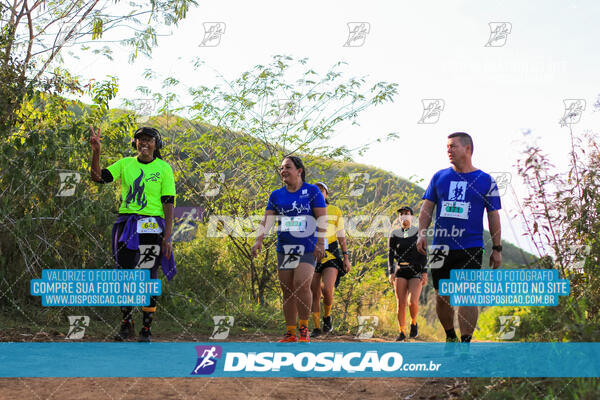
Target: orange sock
x,y
326,310
403,329
303,322
291,329
317,319
413,321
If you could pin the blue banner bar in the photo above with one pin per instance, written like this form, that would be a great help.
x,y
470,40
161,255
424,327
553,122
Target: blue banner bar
x,y
334,359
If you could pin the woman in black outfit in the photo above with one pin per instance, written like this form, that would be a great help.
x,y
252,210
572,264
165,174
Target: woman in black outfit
x,y
406,270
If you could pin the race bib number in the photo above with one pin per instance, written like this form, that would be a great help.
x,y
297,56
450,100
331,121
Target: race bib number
x,y
455,209
293,224
148,225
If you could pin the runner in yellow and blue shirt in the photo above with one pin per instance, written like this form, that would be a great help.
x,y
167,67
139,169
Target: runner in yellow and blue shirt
x,y
331,268
141,236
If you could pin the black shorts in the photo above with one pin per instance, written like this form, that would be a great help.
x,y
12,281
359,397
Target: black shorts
x,y
470,258
408,272
333,263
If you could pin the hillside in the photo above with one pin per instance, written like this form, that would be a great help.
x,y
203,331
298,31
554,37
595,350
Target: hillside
x,y
342,176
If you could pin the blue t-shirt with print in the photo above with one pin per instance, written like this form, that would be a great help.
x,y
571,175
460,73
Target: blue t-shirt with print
x,y
296,224
460,199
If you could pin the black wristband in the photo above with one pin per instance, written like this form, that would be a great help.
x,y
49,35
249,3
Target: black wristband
x,y
167,199
497,248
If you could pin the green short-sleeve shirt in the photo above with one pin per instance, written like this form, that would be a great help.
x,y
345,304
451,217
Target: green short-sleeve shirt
x,y
143,185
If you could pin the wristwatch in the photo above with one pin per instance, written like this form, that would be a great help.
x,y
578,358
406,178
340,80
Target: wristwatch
x,y
497,248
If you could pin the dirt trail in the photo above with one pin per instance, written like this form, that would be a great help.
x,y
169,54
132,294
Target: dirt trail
x,y
230,388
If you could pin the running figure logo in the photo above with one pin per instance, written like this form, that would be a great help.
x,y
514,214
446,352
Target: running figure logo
x,y
213,179
573,110
212,34
68,183
508,326
457,191
148,255
437,255
144,108
295,207
291,256
287,111
358,183
223,323
499,32
77,325
366,326
500,182
207,359
432,109
185,223
357,33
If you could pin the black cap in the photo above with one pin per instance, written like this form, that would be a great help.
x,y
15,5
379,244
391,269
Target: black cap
x,y
406,208
147,131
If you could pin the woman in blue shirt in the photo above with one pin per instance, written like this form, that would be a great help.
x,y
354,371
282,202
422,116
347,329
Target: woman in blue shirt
x,y
301,212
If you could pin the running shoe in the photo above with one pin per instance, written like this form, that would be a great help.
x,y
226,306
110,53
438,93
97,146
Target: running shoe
x,y
127,331
414,331
327,324
304,336
288,337
144,335
316,332
451,339
401,337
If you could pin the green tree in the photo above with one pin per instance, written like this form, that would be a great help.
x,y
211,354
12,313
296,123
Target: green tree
x,y
34,33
